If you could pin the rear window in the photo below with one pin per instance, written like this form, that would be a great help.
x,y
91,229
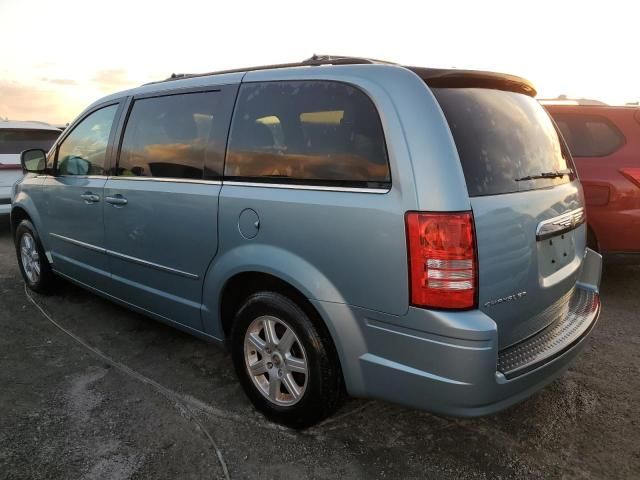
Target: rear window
x,y
589,135
15,140
502,138
307,132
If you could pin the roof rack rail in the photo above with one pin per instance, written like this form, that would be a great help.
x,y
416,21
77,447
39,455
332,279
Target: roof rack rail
x,y
314,60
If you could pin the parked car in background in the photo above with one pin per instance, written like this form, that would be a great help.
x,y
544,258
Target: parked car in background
x,y
14,138
412,234
605,144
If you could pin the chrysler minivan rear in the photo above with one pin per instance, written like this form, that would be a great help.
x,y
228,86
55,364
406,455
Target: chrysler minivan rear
x,y
529,220
508,285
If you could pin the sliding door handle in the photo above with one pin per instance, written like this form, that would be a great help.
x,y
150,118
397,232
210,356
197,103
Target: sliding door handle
x,y
117,200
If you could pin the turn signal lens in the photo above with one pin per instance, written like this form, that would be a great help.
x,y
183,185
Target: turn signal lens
x,y
442,260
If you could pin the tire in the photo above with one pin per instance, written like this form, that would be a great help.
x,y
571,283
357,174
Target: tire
x,y
34,266
277,366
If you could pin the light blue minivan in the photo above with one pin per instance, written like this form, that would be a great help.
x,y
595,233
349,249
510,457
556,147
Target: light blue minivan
x,y
344,225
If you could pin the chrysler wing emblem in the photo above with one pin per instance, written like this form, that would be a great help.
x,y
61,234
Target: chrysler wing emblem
x,y
560,224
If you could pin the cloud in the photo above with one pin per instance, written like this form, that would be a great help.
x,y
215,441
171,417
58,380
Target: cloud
x,y
60,81
25,102
114,79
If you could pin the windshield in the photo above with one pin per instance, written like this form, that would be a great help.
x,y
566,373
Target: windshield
x,y
506,141
16,140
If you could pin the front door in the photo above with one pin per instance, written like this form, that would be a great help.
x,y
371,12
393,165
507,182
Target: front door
x,y
74,200
161,207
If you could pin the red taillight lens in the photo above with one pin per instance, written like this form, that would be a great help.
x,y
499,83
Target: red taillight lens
x,y
632,174
442,260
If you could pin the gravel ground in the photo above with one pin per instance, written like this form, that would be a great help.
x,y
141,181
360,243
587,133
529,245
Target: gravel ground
x,y
142,400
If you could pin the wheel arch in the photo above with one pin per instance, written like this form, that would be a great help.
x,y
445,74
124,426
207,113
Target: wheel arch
x,y
24,209
252,267
243,284
18,214
263,265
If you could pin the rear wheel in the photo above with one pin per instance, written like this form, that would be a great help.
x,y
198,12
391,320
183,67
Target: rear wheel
x,y
34,266
285,363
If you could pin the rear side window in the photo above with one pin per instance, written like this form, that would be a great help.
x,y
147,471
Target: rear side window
x,y
14,140
589,135
503,138
173,136
311,132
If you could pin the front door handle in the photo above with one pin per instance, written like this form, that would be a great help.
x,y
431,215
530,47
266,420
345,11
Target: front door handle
x,y
89,197
117,200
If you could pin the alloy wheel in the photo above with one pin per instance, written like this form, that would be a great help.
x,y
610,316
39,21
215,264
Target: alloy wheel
x,y
276,360
30,258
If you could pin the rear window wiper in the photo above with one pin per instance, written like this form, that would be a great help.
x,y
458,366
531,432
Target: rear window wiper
x,y
554,174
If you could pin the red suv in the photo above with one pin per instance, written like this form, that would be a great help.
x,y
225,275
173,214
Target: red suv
x,y
605,144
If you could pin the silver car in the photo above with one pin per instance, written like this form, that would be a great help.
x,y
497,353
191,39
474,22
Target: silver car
x,y
344,225
14,138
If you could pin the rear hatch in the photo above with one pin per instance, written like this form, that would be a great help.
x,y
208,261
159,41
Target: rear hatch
x,y
526,201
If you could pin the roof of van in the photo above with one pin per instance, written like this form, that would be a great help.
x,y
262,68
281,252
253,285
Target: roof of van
x,y
434,77
26,125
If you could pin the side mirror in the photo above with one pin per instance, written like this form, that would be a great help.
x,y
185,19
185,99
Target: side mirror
x,y
34,160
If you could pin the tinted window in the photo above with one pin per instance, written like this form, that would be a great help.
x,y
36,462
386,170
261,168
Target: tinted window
x,y
84,151
317,132
172,136
501,137
16,140
589,135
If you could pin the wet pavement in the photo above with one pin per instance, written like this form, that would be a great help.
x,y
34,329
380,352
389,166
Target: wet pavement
x,y
108,393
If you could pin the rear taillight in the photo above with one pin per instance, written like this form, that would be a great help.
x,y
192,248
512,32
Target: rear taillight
x,y
443,270
632,174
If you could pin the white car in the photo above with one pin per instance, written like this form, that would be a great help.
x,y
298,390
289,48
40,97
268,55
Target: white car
x,y
14,138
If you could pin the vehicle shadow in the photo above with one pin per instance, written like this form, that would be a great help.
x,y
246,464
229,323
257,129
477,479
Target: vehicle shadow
x,y
5,226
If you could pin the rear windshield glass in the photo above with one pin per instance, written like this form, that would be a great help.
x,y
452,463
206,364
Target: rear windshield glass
x,y
15,140
503,139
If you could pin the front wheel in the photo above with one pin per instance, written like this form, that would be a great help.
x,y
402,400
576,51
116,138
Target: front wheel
x,y
34,266
286,364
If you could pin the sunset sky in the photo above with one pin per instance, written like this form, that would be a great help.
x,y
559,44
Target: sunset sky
x,y
59,56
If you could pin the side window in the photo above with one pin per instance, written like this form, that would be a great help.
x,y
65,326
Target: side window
x,y
589,135
84,151
311,132
173,136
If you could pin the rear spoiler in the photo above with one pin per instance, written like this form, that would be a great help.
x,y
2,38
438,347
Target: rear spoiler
x,y
453,78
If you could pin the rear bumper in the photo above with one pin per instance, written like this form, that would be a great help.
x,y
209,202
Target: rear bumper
x,y
447,362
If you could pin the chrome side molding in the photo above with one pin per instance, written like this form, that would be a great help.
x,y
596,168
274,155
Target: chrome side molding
x,y
127,258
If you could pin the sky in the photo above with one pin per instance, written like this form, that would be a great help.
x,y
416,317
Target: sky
x,y
57,57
